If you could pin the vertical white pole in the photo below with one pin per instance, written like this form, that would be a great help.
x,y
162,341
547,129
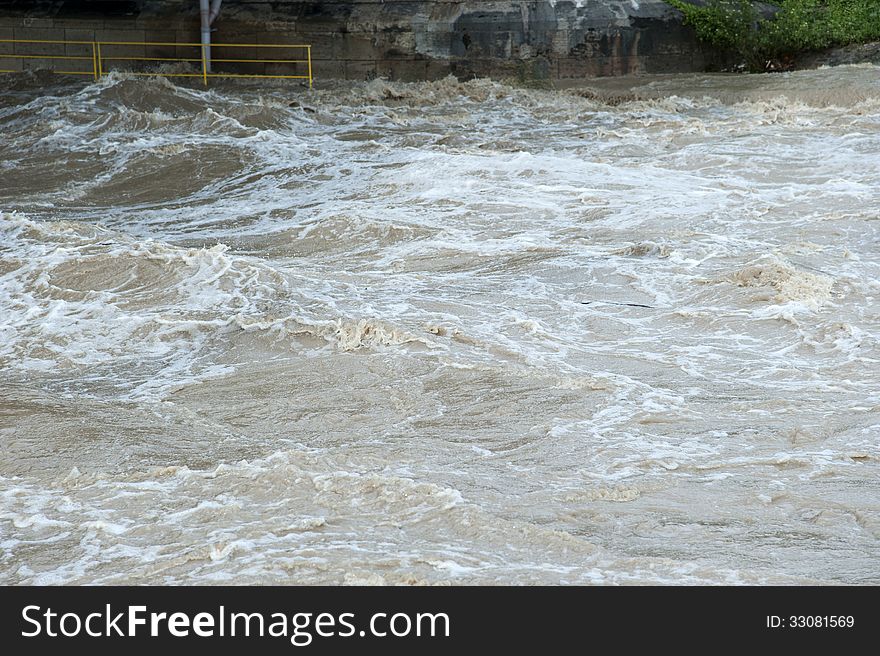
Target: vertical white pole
x,y
205,9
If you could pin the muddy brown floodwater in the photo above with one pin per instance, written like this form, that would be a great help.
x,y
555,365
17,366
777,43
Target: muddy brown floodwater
x,y
441,332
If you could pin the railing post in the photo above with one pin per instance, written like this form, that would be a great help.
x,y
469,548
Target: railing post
x,y
204,65
95,60
309,57
100,65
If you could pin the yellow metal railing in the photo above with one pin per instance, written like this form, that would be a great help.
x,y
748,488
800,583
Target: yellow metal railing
x,y
101,52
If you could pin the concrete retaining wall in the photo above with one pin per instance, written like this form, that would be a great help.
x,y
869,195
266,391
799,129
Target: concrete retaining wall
x,y
398,39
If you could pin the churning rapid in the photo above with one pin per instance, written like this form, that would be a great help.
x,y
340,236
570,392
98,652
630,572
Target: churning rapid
x,y
441,332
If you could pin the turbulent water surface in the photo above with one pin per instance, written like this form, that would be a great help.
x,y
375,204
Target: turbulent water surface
x,y
441,332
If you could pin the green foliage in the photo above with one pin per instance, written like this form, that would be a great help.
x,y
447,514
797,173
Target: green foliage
x,y
735,26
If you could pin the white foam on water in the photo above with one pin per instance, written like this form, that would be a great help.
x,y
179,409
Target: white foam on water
x,y
606,324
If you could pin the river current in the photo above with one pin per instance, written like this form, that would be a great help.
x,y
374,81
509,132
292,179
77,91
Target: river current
x,y
441,332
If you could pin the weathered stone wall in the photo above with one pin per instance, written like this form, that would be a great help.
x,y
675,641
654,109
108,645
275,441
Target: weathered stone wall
x,y
403,39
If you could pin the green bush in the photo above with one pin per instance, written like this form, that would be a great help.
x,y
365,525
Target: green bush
x,y
736,27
